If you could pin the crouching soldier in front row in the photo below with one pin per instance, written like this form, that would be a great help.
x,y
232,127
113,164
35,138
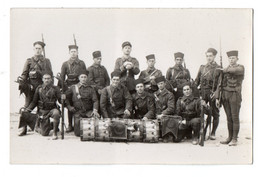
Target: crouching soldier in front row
x,y
45,98
189,108
84,101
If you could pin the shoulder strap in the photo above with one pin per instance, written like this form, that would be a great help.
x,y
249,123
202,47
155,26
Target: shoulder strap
x,y
69,67
109,92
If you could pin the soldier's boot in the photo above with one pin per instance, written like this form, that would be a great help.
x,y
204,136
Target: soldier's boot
x,y
234,139
55,131
230,135
165,138
22,131
195,137
214,128
195,141
70,127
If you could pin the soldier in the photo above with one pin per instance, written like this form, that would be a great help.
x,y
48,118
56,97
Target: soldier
x,y
128,67
150,74
178,75
143,102
164,103
84,101
33,69
45,98
206,81
69,73
98,75
231,96
116,100
189,108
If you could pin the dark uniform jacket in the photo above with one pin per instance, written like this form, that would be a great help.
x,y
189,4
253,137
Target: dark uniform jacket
x,y
127,78
45,97
98,76
120,101
146,74
143,106
34,68
71,69
83,97
164,102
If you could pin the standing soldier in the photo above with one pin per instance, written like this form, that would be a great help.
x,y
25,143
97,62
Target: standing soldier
x,y
98,75
150,74
143,102
178,75
84,101
128,67
231,96
70,72
116,100
206,81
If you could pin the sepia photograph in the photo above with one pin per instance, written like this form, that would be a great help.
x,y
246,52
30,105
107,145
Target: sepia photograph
x,y
131,86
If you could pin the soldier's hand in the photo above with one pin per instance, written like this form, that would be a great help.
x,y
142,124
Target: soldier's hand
x,y
145,118
99,91
183,122
71,109
159,116
126,63
126,112
152,77
217,103
95,114
203,103
128,66
63,96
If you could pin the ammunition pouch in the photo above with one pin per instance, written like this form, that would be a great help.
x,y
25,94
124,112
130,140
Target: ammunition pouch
x,y
33,74
48,105
72,77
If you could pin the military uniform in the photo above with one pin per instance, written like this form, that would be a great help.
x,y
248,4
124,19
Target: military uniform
x,y
32,72
143,105
150,85
84,101
114,101
164,102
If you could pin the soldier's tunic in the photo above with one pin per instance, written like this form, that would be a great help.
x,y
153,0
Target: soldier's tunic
x,y
178,76
128,78
84,100
164,102
32,72
143,105
98,76
114,104
150,85
231,97
45,98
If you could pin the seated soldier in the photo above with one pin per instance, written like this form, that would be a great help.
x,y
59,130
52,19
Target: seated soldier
x,y
45,97
116,100
164,103
84,101
189,108
143,102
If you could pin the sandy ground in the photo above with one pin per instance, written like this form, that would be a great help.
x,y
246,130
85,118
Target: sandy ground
x,y
35,149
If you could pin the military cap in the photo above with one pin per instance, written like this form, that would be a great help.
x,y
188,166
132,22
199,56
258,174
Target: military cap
x,y
139,81
96,54
148,57
178,55
126,44
212,50
73,47
115,74
47,73
160,79
83,72
40,43
232,53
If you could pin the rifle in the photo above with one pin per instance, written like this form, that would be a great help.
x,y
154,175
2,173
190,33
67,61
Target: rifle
x,y
221,74
43,49
75,42
201,139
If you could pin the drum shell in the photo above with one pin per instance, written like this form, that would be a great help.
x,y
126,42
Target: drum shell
x,y
87,129
151,131
102,129
135,136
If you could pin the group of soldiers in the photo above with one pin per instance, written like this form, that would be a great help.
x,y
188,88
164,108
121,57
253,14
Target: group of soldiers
x,y
89,92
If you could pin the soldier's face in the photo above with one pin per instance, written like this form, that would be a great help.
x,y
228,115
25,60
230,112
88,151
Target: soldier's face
x,y
187,90
151,63
97,60
210,57
232,60
161,85
115,81
37,49
139,88
73,53
127,50
83,78
179,61
46,79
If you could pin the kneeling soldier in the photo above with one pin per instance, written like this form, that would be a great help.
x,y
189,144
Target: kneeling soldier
x,y
45,97
188,107
84,101
116,100
143,102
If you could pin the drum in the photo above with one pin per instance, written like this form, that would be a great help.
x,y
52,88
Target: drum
x,y
87,129
150,131
134,130
102,129
118,129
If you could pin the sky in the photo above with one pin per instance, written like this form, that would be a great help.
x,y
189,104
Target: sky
x,y
151,31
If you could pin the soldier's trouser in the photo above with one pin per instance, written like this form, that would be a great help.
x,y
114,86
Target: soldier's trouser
x,y
29,98
77,116
194,124
232,104
45,125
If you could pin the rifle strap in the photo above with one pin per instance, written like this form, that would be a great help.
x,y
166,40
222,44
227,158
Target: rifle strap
x,y
110,95
79,96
